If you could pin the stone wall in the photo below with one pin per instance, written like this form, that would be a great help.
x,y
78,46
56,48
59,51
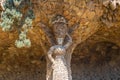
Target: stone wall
x,y
98,58
99,61
96,62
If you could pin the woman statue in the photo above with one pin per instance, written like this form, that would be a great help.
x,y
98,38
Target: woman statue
x,y
56,54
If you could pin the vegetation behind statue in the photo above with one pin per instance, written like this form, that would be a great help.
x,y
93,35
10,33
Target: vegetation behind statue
x,y
14,17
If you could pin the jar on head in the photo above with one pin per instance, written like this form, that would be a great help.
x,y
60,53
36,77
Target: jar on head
x,y
60,28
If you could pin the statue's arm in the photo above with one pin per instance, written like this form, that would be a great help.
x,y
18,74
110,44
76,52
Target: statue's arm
x,y
74,27
48,33
50,52
69,42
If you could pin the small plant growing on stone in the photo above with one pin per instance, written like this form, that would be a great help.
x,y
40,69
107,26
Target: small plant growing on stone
x,y
12,17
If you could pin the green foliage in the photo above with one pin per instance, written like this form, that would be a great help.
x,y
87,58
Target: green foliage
x,y
13,17
8,18
22,43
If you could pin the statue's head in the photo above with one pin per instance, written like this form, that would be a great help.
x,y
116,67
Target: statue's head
x,y
60,28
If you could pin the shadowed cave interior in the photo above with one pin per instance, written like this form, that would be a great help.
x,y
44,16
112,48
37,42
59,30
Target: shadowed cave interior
x,y
100,61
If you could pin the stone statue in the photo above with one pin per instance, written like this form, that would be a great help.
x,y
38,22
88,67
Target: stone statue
x,y
59,65
58,57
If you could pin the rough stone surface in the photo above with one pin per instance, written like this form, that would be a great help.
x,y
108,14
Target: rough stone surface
x,y
97,58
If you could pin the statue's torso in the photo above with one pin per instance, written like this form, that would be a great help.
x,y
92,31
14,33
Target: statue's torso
x,y
60,66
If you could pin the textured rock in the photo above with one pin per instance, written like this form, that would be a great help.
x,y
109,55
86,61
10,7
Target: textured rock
x,y
98,24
